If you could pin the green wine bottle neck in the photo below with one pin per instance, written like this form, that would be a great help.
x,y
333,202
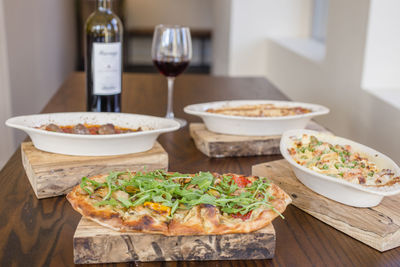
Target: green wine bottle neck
x,y
104,5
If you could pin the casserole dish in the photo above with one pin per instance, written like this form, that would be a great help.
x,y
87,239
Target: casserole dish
x,y
253,126
93,145
338,189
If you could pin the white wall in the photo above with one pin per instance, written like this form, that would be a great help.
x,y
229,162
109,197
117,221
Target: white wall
x,y
337,81
334,75
40,39
382,57
250,23
6,145
334,81
148,13
221,41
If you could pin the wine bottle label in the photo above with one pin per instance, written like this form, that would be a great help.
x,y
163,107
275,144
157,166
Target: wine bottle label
x,y
106,68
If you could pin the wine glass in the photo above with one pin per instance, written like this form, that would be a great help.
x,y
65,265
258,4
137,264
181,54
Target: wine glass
x,y
171,52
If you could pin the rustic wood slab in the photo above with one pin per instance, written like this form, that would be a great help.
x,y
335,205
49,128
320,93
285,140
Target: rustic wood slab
x,y
94,243
55,174
216,145
378,227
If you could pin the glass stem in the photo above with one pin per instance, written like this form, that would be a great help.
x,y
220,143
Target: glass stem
x,y
170,112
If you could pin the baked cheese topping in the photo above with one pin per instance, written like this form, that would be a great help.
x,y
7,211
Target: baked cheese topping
x,y
164,193
261,110
340,162
90,129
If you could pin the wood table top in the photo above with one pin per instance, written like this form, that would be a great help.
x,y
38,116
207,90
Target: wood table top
x,y
39,232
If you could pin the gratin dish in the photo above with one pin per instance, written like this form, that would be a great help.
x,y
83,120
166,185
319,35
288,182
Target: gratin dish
x,y
335,188
253,126
93,145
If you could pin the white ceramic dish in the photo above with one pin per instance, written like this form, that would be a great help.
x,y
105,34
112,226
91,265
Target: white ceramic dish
x,y
338,189
93,145
253,126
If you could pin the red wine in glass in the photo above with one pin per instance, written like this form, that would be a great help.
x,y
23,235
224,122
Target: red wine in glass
x,y
171,68
171,52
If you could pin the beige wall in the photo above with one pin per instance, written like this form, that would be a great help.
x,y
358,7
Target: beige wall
x,y
148,13
41,44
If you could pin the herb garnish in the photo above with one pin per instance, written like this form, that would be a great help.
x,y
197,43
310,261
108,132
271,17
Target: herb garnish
x,y
177,190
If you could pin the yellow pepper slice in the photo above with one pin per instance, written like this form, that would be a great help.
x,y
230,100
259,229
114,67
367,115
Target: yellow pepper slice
x,y
158,207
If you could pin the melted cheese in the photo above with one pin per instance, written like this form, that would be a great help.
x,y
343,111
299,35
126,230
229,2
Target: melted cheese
x,y
261,110
338,161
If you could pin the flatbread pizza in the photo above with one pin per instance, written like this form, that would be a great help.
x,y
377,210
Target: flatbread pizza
x,y
172,203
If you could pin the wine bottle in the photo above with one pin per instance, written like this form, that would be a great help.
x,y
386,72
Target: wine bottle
x,y
103,61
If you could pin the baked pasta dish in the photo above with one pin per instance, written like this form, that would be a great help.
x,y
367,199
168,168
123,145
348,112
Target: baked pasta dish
x,y
261,110
339,162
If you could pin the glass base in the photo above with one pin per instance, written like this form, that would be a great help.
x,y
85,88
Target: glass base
x,y
182,122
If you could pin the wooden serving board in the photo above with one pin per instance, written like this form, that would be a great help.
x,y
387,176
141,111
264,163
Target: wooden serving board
x,y
94,243
55,174
378,227
216,145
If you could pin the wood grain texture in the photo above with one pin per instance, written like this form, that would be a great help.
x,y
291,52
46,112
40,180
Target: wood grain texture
x,y
55,174
40,232
378,227
94,243
217,145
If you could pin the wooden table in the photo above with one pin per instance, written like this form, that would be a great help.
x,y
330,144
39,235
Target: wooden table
x,y
39,232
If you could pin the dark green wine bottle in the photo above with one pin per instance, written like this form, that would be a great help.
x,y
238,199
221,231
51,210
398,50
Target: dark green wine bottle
x,y
103,62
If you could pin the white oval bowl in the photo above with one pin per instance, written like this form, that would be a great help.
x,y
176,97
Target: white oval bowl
x,y
338,189
253,126
93,145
